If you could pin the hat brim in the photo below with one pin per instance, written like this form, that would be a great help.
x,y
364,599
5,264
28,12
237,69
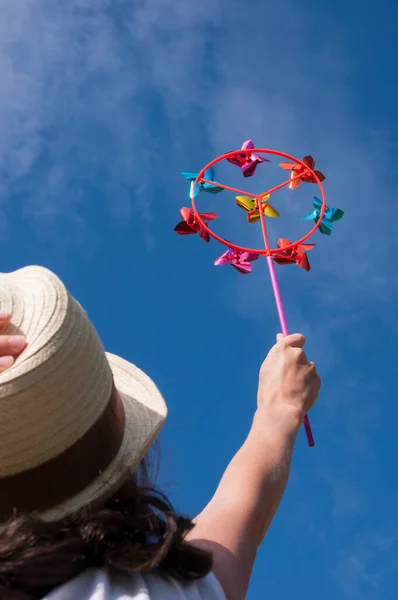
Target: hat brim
x,y
145,412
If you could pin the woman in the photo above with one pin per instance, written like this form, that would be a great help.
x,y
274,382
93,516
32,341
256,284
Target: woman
x,y
78,517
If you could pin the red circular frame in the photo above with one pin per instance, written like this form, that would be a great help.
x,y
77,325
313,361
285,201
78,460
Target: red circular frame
x,y
270,251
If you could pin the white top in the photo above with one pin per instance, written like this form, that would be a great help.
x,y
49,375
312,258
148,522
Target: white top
x,y
99,584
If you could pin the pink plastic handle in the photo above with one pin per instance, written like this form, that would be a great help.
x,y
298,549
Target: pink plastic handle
x,y
279,306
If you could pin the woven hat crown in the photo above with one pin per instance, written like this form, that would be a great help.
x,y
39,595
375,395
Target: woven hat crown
x,y
62,381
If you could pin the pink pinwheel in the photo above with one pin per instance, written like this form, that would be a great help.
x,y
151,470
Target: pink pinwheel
x,y
241,261
247,161
190,224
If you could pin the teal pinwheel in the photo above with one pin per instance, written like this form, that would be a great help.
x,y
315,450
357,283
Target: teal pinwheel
x,y
331,215
211,188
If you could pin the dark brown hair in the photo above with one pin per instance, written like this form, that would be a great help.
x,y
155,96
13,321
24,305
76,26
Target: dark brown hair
x,y
140,534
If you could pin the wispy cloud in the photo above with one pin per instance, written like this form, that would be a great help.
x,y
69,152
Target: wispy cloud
x,y
82,83
367,566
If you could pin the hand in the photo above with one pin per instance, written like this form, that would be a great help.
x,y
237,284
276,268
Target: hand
x,y
10,345
288,380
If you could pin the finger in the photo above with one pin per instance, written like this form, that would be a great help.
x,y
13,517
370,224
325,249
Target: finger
x,y
6,362
313,368
314,373
313,378
295,340
4,319
11,344
300,355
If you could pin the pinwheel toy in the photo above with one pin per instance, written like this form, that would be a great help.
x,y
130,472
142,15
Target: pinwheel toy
x,y
247,160
259,208
211,188
326,222
305,170
296,255
191,225
241,261
250,205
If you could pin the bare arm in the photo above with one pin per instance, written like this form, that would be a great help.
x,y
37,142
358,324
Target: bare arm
x,y
235,521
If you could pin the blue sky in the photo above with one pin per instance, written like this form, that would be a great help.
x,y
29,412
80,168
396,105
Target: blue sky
x,y
102,104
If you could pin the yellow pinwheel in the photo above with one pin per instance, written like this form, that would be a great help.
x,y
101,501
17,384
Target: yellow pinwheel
x,y
250,205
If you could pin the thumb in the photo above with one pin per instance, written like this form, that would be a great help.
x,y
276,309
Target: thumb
x,y
279,337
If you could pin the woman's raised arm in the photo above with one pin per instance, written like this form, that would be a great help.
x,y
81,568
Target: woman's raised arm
x,y
238,516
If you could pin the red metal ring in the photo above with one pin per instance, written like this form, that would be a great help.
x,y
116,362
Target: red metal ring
x,y
262,251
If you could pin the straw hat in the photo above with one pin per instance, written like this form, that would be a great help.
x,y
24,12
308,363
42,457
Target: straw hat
x,y
74,421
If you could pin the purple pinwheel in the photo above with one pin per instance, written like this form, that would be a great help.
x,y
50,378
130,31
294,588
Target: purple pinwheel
x,y
247,161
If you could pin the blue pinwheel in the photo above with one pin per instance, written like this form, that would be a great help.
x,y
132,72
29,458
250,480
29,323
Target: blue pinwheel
x,y
331,215
212,188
